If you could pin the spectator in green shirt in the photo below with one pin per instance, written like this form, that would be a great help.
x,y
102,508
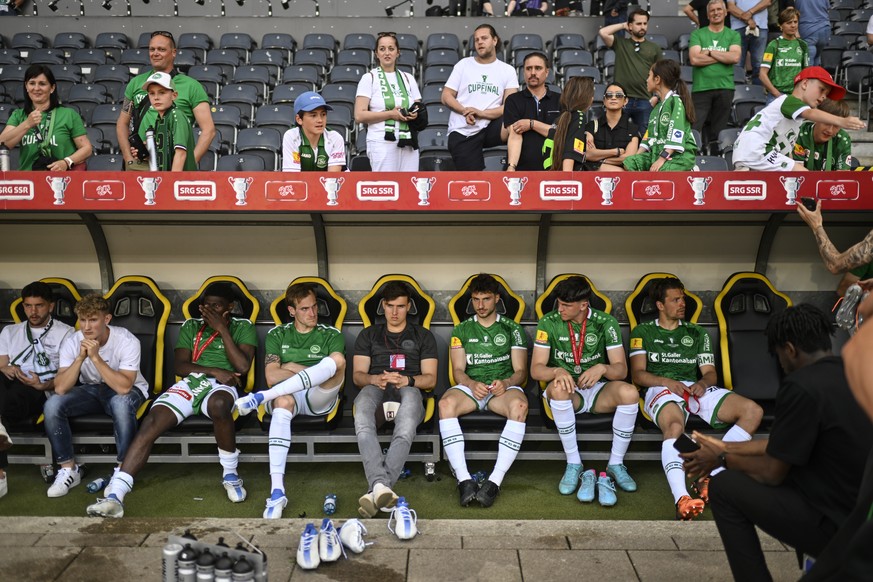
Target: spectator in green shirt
x,y
784,57
824,146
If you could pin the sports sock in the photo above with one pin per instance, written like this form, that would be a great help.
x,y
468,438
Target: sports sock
x,y
507,449
280,441
736,434
120,485
565,422
453,445
313,376
229,462
622,431
672,463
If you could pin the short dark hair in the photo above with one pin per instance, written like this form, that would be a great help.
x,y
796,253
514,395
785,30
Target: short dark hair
x,y
395,289
38,289
220,289
661,286
638,11
540,55
490,28
806,326
298,291
573,289
484,283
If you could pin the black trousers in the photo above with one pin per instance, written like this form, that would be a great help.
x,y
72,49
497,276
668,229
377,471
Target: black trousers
x,y
467,151
18,402
712,110
739,503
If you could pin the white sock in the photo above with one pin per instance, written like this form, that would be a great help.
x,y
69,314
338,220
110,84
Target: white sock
x,y
736,434
303,380
565,422
120,485
507,449
279,443
229,461
453,445
622,431
672,463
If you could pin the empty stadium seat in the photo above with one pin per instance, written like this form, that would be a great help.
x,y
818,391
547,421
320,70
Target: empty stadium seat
x,y
443,40
266,143
360,163
241,163
280,117
362,41
106,163
280,41
195,41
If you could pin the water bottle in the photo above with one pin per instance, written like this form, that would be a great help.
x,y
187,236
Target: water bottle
x,y
170,567
48,473
223,568
404,474
479,476
4,158
97,484
188,564
330,504
152,149
243,571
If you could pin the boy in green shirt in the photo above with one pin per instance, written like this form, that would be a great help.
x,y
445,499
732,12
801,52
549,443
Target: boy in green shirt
x,y
824,146
174,136
784,57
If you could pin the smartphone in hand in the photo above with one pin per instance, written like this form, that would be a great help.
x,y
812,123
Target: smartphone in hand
x,y
685,444
809,203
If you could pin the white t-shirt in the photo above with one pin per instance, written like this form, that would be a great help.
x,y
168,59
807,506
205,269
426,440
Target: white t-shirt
x,y
15,344
481,86
772,132
870,26
369,87
121,352
334,145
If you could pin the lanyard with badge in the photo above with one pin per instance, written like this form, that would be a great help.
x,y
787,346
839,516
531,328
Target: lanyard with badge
x,y
197,351
396,359
32,342
577,349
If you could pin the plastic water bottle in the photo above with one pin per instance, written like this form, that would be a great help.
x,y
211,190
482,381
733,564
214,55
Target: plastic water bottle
x,y
479,476
4,158
329,504
170,567
404,474
97,484
188,564
243,571
152,149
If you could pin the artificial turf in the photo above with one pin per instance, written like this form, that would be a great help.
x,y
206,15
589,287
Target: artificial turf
x,y
530,491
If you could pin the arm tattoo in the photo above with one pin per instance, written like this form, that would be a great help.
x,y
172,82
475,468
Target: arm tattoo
x,y
271,359
127,106
836,262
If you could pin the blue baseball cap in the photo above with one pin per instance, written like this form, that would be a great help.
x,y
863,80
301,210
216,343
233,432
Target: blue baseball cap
x,y
310,101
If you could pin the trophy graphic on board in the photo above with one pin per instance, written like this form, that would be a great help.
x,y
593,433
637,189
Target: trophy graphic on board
x,y
332,187
792,186
150,188
59,186
607,187
423,185
699,184
240,187
515,185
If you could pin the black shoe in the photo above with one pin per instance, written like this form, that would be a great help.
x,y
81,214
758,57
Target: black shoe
x,y
468,489
487,493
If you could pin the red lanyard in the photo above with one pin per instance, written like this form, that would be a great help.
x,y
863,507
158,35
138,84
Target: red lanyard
x,y
577,353
198,351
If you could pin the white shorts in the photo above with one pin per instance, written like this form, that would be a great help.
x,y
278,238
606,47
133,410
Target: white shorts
x,y
186,401
315,401
385,156
483,403
588,397
772,162
706,407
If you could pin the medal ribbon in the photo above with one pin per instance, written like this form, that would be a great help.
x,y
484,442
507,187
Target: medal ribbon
x,y
577,353
198,351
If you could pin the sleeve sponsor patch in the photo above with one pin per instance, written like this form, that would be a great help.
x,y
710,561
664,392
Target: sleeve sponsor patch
x,y
295,157
768,57
542,337
678,135
636,343
456,342
799,150
578,146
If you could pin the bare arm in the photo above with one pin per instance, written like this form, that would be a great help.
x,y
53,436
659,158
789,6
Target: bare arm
x,y
361,373
364,115
691,14
122,130
427,379
700,58
539,369
179,157
513,148
835,261
607,33
203,117
819,116
764,77
642,377
857,361
450,100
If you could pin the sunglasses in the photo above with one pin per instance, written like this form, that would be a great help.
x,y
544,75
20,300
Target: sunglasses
x,y
163,33
636,47
614,95
384,34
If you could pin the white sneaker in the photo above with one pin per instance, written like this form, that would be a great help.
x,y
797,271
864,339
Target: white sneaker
x,y
4,486
307,551
248,403
5,441
275,504
65,480
108,507
352,535
234,487
405,521
329,546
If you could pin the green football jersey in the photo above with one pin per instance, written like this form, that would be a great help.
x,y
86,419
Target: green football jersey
x,y
241,330
173,131
675,353
601,334
716,75
306,349
834,154
669,128
488,349
785,59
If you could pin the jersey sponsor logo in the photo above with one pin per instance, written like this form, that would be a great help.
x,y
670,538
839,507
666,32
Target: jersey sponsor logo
x,y
687,341
560,190
654,357
636,343
590,339
801,151
456,342
183,393
295,157
678,135
500,340
315,348
706,360
837,190
665,120
768,57
542,336
16,190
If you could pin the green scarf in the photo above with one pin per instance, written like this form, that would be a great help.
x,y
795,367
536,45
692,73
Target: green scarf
x,y
312,161
388,95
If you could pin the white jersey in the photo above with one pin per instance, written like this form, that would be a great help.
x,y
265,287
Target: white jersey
x,y
770,135
37,351
334,145
121,352
369,87
480,86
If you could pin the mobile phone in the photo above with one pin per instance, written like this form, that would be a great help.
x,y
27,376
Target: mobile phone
x,y
809,203
685,444
414,107
404,112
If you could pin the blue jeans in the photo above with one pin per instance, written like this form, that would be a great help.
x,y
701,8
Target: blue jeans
x,y
816,41
756,45
90,399
638,110
379,469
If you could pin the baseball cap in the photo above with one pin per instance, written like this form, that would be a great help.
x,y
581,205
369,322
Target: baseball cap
x,y
836,93
310,101
162,79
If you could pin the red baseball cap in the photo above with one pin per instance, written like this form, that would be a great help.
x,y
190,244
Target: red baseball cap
x,y
836,93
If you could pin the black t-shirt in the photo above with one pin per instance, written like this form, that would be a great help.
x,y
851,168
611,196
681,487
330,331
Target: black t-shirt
x,y
609,138
413,345
699,7
820,431
574,144
523,105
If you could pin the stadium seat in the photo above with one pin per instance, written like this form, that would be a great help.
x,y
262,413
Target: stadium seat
x,y
309,74
436,75
112,43
266,143
273,59
211,77
46,56
240,163
246,97
360,163
239,41
444,41
523,41
26,42
185,59
257,76
66,296
88,59
567,41
106,163
432,94
436,160
9,57
438,115
440,57
746,97
227,59
577,71
659,39
86,97
573,57
70,41
546,303
711,164
287,93
409,42
95,137
280,117
745,304
640,307
317,58
495,159
361,41
65,77
280,41
346,74
228,120
357,57
137,60
320,41
114,77
195,41
432,138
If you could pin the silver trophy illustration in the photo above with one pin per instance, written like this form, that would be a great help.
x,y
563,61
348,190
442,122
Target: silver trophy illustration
x,y
792,186
515,185
332,187
699,184
150,188
240,187
59,186
607,187
423,185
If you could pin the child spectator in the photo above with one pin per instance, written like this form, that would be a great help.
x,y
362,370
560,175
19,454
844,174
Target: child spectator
x,y
767,141
784,57
668,144
824,146
311,146
174,136
568,137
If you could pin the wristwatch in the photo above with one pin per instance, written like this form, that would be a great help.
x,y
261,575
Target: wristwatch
x,y
665,154
411,380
